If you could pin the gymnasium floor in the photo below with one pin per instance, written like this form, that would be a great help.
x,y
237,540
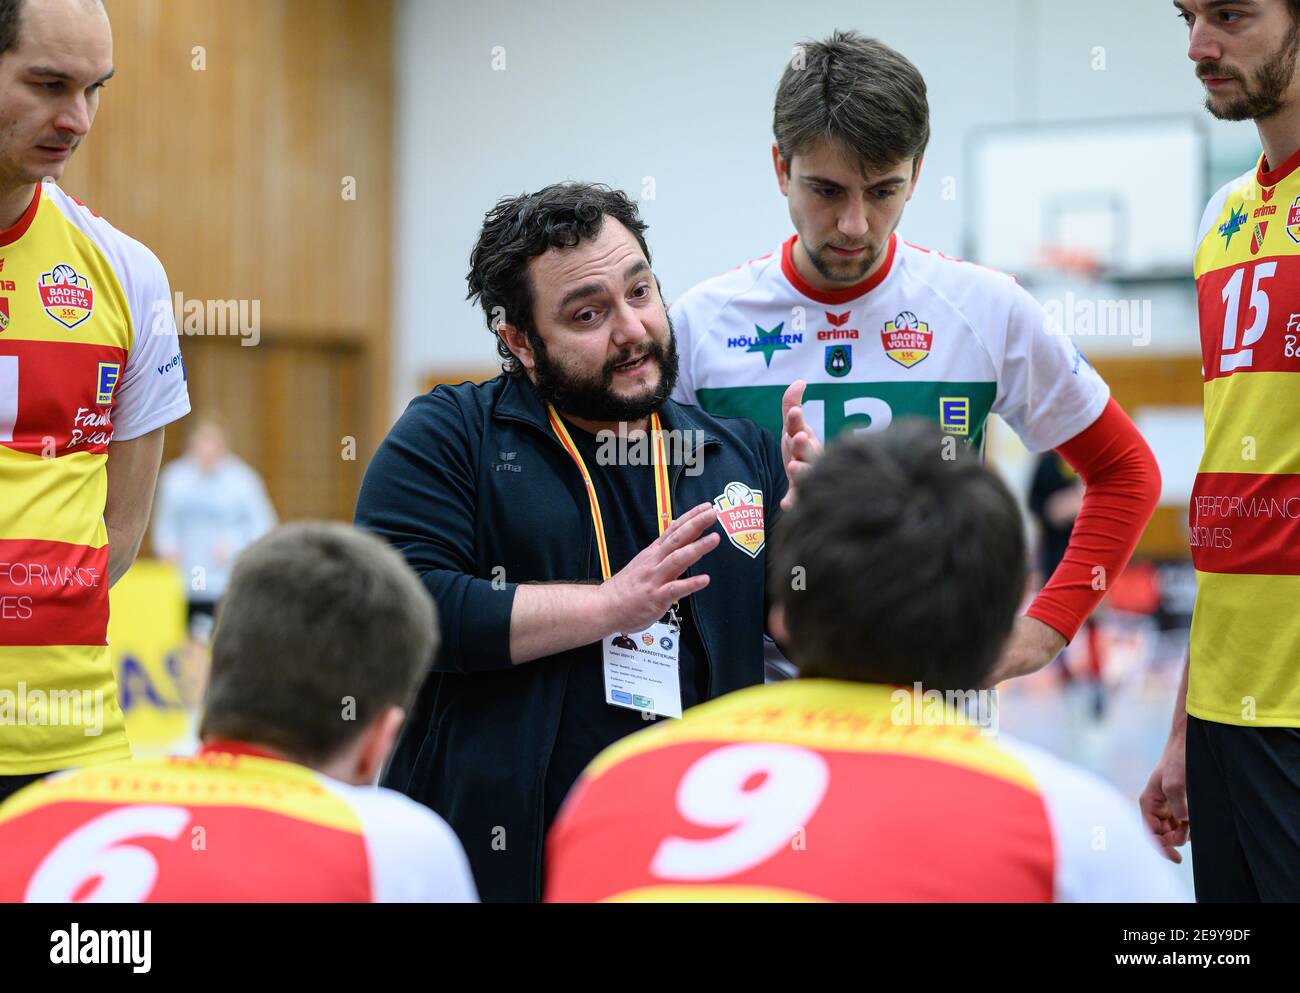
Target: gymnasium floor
x,y
1123,746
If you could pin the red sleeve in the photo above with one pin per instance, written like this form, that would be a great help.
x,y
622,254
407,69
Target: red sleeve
x,y
1122,485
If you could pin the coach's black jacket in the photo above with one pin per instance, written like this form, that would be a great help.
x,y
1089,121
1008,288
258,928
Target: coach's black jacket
x,y
474,489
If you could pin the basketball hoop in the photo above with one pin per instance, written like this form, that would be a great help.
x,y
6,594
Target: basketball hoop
x,y
1068,260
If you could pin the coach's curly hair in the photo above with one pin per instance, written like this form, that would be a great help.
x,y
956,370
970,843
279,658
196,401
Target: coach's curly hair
x,y
521,228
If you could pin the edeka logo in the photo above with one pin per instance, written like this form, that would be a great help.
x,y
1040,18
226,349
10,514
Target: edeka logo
x,y
740,512
766,343
954,415
106,381
65,295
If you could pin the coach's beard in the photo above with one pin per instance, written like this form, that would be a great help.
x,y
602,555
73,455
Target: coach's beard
x,y
593,399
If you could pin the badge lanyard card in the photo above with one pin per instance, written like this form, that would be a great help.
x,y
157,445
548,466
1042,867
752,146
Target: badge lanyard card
x,y
642,668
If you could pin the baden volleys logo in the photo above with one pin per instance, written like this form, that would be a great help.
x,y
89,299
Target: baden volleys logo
x,y
740,512
907,340
66,295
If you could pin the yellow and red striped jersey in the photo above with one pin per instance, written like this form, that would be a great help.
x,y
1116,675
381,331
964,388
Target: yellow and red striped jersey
x,y
88,355
1244,516
229,824
819,790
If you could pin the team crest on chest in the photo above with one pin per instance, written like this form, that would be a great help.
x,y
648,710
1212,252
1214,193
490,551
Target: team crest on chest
x,y
907,340
740,512
1293,221
1257,237
1261,226
839,360
66,295
4,314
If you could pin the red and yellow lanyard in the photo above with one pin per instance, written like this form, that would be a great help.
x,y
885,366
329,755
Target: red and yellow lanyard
x,y
663,498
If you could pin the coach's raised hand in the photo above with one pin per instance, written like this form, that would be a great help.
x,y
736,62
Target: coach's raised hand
x,y
642,591
555,617
799,446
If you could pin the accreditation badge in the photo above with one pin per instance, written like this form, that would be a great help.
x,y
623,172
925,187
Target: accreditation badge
x,y
642,671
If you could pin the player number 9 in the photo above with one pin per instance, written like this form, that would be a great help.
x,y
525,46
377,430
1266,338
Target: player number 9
x,y
126,873
762,818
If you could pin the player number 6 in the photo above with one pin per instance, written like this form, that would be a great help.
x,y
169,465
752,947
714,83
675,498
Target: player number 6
x,y
126,873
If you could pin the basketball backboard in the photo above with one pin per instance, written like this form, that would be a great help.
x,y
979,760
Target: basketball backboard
x,y
1122,198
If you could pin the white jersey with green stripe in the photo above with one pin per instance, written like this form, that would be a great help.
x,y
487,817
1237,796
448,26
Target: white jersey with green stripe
x,y
925,335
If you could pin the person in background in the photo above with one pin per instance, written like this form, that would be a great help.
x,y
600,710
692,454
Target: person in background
x,y
1055,499
90,376
845,326
324,638
862,779
1231,763
540,539
211,505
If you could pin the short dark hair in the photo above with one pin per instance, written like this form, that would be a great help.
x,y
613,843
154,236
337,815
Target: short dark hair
x,y
518,229
316,614
11,24
913,559
857,92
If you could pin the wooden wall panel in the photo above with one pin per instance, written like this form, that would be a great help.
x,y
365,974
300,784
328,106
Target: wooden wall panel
x,y
1159,381
287,407
233,174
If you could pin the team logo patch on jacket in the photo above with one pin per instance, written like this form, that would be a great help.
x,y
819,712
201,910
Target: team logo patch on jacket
x,y
907,340
740,512
4,313
1293,221
66,295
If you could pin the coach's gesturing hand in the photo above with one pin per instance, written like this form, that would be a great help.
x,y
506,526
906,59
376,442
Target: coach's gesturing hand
x,y
799,446
642,591
550,618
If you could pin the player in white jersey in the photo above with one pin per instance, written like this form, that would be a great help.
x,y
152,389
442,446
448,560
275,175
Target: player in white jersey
x,y
879,329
